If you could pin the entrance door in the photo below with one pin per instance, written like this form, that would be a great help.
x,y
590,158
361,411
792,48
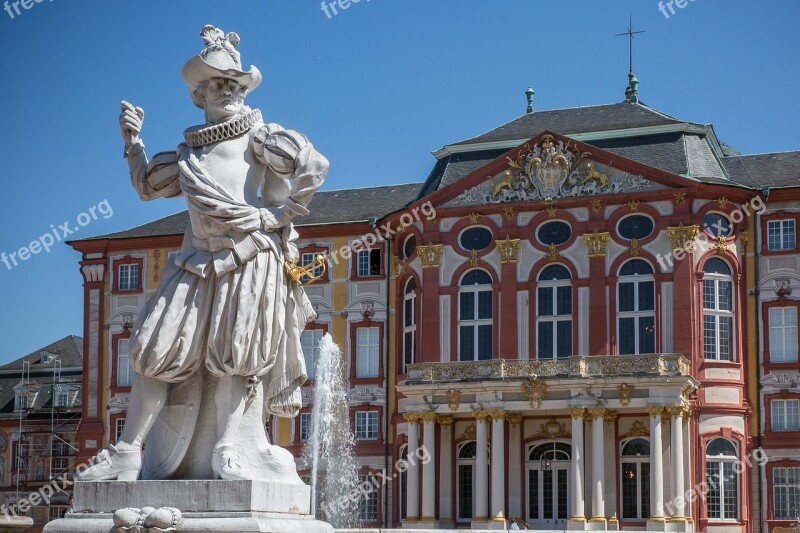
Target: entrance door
x,y
548,485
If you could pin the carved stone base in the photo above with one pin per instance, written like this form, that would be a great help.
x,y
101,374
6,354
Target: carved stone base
x,y
198,523
203,506
14,525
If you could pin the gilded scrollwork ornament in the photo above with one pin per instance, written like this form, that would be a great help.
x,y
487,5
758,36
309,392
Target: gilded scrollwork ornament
x,y
508,250
431,255
596,243
535,391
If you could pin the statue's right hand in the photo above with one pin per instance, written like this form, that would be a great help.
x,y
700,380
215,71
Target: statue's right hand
x,y
130,122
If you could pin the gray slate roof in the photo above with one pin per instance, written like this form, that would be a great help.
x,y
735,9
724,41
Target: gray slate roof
x,y
327,207
779,169
576,120
41,376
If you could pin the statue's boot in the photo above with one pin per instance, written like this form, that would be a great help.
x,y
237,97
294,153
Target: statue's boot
x,y
227,465
112,463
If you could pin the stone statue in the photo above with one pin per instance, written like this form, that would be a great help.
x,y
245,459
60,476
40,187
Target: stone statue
x,y
225,323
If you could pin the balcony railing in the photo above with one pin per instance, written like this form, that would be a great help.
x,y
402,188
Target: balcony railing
x,y
578,366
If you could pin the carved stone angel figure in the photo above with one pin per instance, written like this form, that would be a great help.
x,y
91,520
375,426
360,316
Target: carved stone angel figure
x,y
217,347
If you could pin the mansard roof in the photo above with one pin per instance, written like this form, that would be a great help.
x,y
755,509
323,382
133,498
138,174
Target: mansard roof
x,y
343,206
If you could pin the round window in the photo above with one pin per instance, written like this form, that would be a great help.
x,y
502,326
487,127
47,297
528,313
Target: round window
x,y
556,232
476,239
635,227
409,247
717,224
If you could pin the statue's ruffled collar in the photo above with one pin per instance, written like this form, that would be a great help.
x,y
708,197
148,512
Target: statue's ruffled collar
x,y
234,127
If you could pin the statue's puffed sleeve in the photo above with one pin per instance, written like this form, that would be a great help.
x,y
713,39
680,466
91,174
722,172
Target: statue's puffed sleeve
x,y
153,179
311,167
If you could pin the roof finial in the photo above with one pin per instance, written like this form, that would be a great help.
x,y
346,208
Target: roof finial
x,y
632,91
529,95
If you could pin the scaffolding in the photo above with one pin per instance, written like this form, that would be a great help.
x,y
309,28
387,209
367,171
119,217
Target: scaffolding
x,y
39,441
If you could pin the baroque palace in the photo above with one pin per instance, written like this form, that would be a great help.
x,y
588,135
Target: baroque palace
x,y
595,330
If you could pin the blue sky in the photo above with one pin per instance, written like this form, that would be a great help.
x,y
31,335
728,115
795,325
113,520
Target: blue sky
x,y
376,88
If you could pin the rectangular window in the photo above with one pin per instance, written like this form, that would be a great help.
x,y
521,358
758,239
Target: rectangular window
x,y
786,493
61,396
368,503
305,426
783,335
367,352
785,415
780,235
119,425
125,373
366,425
128,279
309,342
369,263
60,465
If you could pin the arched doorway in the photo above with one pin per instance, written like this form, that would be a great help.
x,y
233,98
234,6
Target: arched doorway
x,y
548,498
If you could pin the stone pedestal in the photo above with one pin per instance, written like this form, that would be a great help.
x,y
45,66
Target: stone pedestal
x,y
15,525
207,506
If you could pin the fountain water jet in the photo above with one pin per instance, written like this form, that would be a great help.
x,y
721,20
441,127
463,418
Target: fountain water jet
x,y
329,448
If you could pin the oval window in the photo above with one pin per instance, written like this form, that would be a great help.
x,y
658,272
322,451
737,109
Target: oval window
x,y
555,232
717,224
475,239
635,227
409,247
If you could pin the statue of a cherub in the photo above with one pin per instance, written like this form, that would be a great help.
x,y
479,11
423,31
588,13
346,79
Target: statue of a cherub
x,y
224,306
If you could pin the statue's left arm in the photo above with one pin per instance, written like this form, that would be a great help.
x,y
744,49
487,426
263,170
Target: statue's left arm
x,y
310,170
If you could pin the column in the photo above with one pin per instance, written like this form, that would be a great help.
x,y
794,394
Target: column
x,y
514,465
656,465
429,469
481,467
576,485
687,462
445,470
598,465
412,476
676,435
498,467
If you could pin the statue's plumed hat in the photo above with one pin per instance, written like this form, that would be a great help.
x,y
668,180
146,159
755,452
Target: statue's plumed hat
x,y
219,59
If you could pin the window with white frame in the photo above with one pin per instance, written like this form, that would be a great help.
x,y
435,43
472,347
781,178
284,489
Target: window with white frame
x,y
368,503
62,396
780,235
465,480
24,400
635,463
369,263
119,426
722,498
785,493
305,426
636,308
125,373
309,259
409,324
783,334
366,425
128,277
475,316
718,311
368,351
554,313
785,415
309,342
60,465
402,478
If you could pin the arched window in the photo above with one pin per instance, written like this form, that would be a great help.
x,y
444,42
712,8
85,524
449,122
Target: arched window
x,y
475,316
636,308
554,313
548,485
465,480
718,310
409,324
635,483
722,499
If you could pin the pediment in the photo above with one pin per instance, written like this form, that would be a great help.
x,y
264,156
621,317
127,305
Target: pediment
x,y
554,168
